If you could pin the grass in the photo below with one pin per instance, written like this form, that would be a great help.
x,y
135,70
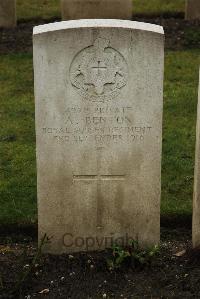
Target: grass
x,y
158,7
17,136
17,140
28,9
180,103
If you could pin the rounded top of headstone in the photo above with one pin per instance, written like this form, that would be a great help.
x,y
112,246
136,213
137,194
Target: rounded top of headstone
x,y
97,23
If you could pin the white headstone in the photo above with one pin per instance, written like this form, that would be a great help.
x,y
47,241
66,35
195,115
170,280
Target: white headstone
x,y
196,199
7,13
99,99
96,9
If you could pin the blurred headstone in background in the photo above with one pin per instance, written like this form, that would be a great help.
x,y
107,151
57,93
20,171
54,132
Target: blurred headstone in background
x,y
196,200
96,9
192,9
7,13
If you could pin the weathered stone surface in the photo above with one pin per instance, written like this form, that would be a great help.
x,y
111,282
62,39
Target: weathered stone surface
x,y
98,96
96,9
7,13
196,198
192,9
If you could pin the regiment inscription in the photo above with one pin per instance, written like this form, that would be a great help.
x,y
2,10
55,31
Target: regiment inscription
x,y
101,125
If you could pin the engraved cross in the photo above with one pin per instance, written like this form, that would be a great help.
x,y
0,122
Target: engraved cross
x,y
99,178
99,67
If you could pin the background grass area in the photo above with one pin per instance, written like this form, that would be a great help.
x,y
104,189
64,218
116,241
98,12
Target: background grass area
x,y
158,6
17,140
27,9
17,136
180,104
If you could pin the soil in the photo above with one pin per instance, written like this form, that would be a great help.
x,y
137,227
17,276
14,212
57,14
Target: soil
x,y
87,275
179,33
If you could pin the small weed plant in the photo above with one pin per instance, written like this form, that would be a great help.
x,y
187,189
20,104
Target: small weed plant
x,y
133,255
27,270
